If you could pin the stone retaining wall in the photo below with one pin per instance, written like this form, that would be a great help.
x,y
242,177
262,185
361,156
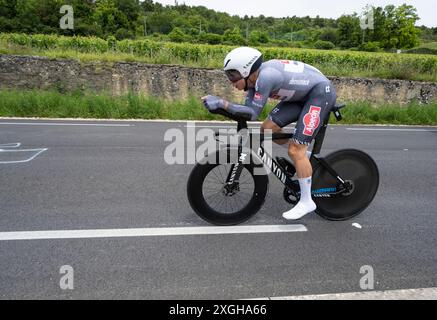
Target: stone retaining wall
x,y
177,82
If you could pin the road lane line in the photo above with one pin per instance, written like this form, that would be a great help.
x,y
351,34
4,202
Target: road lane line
x,y
147,232
65,124
378,129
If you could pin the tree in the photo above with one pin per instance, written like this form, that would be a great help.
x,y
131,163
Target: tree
x,y
110,17
407,33
257,37
329,34
394,27
234,36
147,5
349,31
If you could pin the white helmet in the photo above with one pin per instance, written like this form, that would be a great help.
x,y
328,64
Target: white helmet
x,y
241,63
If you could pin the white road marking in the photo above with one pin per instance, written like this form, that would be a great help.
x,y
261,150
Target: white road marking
x,y
357,225
378,129
332,125
10,145
37,152
217,126
405,294
65,124
147,232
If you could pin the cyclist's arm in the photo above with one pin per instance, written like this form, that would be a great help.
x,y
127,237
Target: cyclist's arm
x,y
257,98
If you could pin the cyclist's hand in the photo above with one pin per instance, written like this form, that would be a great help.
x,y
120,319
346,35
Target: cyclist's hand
x,y
213,103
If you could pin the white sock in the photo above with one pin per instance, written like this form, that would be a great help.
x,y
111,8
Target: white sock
x,y
306,203
305,189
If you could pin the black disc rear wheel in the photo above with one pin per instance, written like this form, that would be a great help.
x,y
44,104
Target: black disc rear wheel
x,y
358,169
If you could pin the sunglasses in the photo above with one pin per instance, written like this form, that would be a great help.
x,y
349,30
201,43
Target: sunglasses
x,y
233,75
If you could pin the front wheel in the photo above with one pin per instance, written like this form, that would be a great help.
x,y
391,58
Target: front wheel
x,y
354,167
219,204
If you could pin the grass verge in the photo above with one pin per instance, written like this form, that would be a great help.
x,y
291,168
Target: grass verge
x,y
52,104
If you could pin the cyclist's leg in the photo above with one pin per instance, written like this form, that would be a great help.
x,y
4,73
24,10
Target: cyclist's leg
x,y
282,115
316,109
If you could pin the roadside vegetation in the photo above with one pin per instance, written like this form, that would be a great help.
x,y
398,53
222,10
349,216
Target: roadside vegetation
x,y
51,104
331,62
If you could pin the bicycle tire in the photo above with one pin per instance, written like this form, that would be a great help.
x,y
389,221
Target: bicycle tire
x,y
206,212
351,165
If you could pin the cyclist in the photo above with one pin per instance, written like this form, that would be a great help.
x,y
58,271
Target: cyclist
x,y
306,97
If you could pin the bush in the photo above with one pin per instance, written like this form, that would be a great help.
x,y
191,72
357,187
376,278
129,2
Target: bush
x,y
112,43
324,45
210,38
370,47
177,35
123,34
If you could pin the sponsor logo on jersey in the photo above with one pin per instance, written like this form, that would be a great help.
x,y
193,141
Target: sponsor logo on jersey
x,y
299,82
311,120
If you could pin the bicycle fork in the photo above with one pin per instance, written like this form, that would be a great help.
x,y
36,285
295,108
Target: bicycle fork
x,y
232,180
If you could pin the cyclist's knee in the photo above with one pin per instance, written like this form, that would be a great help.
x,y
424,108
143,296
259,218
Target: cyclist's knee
x,y
270,125
297,151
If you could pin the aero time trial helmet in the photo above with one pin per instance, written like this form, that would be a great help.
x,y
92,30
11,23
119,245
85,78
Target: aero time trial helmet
x,y
240,63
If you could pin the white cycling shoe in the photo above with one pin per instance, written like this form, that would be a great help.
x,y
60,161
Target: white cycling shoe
x,y
300,210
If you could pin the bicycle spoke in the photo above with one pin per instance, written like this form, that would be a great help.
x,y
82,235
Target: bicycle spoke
x,y
210,195
221,175
221,202
213,186
236,202
245,181
217,177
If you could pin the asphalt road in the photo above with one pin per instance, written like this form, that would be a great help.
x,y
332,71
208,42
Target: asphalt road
x,y
115,177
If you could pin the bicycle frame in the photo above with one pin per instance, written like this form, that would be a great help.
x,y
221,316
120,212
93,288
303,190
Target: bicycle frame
x,y
280,172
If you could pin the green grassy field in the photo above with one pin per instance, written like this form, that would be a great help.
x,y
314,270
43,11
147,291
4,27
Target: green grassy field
x,y
425,48
429,45
33,103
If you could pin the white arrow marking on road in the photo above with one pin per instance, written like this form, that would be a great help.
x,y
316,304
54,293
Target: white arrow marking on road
x,y
148,232
10,145
37,152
